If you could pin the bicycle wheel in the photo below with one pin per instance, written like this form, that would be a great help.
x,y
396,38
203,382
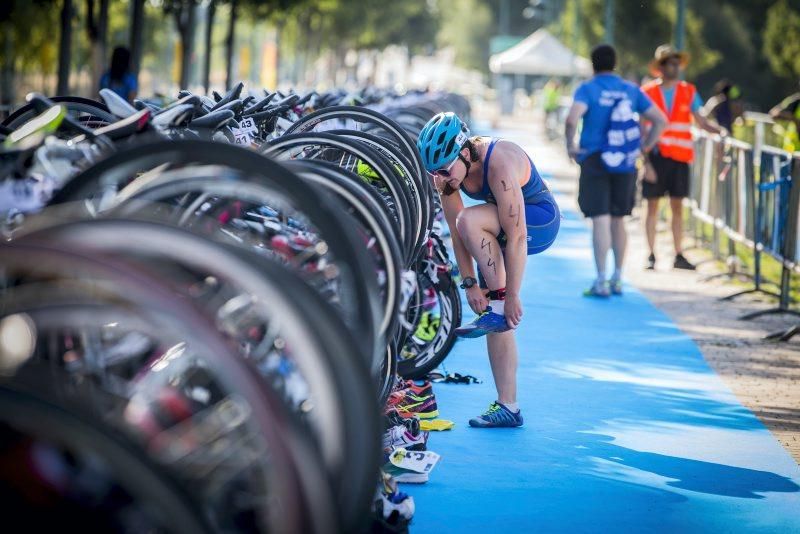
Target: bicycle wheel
x,y
306,328
105,481
399,161
265,179
119,290
372,121
348,154
434,333
368,208
91,113
362,115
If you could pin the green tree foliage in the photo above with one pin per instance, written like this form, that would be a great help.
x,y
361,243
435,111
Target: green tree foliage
x,y
782,39
640,28
754,43
467,26
410,22
366,24
32,27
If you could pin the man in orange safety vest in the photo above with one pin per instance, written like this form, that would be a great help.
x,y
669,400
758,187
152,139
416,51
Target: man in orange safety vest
x,y
667,164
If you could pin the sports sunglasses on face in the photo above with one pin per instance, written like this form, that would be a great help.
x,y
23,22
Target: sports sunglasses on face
x,y
445,171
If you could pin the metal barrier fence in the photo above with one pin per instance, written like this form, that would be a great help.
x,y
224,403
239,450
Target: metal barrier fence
x,y
744,192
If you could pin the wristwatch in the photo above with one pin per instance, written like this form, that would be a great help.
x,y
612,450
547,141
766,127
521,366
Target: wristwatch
x,y
468,282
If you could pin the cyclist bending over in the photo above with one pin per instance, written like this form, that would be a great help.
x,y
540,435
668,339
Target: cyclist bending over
x,y
517,216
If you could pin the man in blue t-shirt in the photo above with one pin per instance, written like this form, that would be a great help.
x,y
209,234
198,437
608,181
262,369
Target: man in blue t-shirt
x,y
606,197
119,77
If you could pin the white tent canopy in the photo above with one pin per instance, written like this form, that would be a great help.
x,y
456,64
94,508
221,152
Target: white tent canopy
x,y
540,54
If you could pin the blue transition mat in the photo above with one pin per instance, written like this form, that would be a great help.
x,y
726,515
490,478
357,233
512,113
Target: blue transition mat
x,y
627,429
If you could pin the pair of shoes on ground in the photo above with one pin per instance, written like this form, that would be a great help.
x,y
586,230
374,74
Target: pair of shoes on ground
x,y
400,436
497,416
414,400
604,289
680,263
487,322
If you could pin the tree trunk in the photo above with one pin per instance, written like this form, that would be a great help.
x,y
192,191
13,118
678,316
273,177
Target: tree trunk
x,y
7,72
303,52
65,48
97,28
137,27
186,21
229,44
212,10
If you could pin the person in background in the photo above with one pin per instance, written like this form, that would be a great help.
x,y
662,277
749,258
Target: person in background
x,y
606,197
119,78
726,104
789,110
551,96
667,165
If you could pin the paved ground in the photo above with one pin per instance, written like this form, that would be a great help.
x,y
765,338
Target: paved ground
x,y
627,426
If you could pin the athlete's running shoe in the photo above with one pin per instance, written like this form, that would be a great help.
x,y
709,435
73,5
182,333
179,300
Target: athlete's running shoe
x,y
598,289
399,436
651,262
615,286
486,323
682,263
422,407
497,416
390,501
421,390
394,507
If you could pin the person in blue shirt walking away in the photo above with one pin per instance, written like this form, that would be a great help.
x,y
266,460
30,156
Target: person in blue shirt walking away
x,y
119,78
516,216
606,195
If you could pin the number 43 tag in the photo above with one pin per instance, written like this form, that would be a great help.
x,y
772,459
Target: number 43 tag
x,y
248,125
418,461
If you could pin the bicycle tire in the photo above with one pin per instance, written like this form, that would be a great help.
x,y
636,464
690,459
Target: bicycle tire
x,y
33,411
280,148
268,417
368,206
353,447
94,108
436,350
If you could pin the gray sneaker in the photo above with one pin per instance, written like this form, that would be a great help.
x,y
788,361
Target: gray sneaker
x,y
616,287
598,289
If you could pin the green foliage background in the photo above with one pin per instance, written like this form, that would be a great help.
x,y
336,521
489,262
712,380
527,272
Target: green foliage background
x,y
754,42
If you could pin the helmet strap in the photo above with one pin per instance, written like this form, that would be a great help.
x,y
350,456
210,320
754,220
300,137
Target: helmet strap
x,y
467,164
473,151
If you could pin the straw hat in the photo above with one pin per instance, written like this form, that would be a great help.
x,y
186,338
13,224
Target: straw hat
x,y
665,52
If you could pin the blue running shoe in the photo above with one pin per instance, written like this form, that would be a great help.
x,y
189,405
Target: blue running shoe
x,y
497,416
486,323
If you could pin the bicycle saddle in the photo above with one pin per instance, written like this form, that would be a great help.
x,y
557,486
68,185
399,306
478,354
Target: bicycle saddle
x,y
116,104
214,120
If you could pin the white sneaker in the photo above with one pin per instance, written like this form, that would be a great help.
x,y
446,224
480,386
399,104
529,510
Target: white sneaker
x,y
399,436
404,506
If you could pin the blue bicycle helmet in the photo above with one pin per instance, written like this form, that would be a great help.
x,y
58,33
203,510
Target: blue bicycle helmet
x,y
441,139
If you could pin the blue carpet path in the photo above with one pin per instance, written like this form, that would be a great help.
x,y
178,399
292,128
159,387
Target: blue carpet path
x,y
627,429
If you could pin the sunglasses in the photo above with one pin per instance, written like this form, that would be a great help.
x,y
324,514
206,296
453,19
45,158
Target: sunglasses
x,y
445,172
